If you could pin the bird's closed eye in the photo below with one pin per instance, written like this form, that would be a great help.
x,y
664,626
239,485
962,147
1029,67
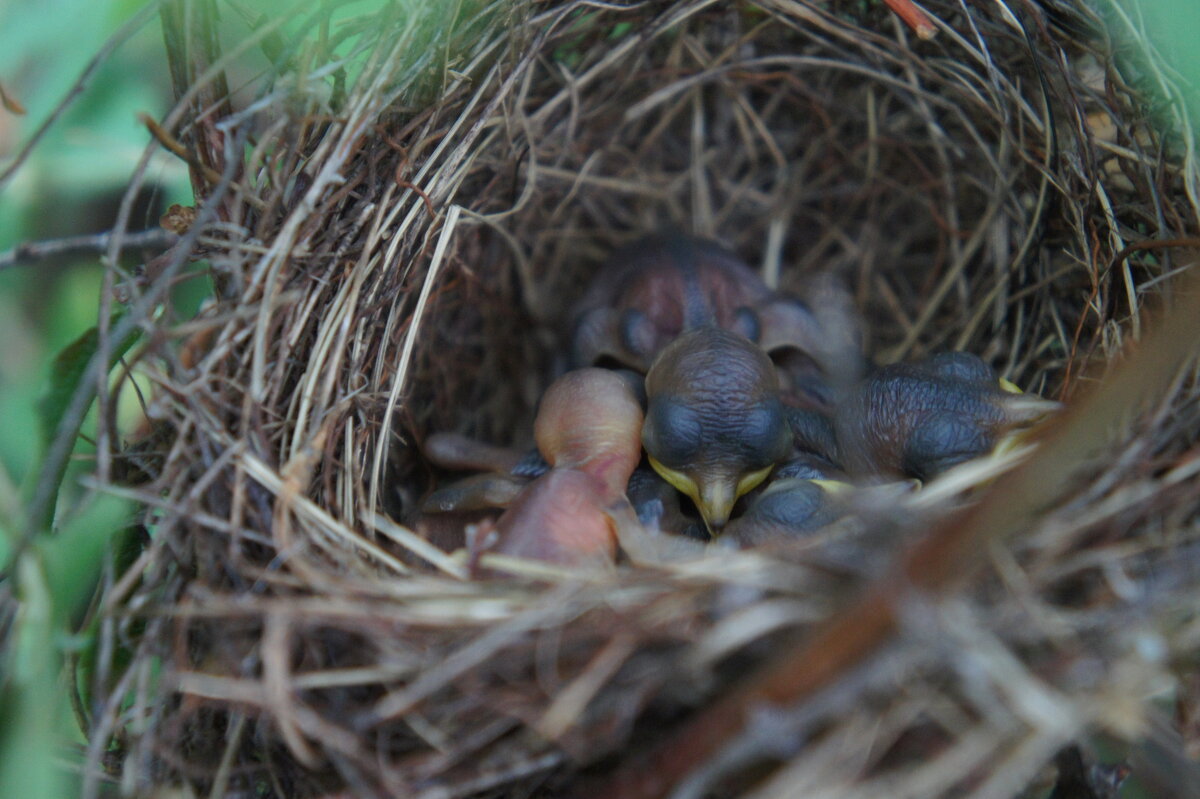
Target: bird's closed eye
x,y
672,433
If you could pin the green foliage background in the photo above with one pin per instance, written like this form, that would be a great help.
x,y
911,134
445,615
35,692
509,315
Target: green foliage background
x,y
69,186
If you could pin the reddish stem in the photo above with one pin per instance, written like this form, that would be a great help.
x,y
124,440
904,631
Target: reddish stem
x,y
914,17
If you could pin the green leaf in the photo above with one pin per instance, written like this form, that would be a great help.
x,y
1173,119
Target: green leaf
x,y
73,557
31,702
67,370
53,582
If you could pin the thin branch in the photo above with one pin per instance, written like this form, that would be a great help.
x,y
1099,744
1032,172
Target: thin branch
x,y
35,251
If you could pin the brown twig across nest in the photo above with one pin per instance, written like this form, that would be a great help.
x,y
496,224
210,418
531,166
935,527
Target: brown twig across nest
x,y
392,260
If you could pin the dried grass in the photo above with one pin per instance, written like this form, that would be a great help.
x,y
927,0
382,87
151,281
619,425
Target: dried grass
x,y
398,265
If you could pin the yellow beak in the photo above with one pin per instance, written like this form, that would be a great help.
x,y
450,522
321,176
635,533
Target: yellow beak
x,y
715,500
714,497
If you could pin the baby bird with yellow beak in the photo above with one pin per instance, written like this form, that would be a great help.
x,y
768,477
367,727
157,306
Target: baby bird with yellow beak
x,y
715,422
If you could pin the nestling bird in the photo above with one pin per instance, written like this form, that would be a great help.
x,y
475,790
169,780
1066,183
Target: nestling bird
x,y
652,290
663,285
715,422
590,420
788,508
454,451
657,505
558,518
804,494
588,430
919,419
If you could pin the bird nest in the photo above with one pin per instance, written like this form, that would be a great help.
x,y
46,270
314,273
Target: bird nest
x,y
397,212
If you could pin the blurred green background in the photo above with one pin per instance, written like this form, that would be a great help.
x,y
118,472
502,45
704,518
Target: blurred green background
x,y
71,185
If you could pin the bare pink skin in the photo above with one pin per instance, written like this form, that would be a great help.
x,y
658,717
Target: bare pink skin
x,y
453,451
559,518
591,421
589,430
